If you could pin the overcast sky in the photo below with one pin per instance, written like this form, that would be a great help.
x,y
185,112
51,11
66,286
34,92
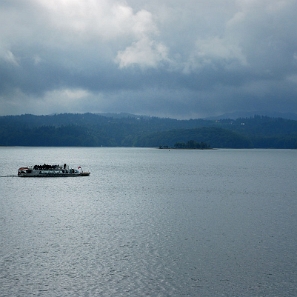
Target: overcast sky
x,y
168,58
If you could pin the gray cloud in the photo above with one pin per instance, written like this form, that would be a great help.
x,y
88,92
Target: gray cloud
x,y
176,59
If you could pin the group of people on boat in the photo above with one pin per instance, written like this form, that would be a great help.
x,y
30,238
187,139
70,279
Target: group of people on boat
x,y
46,167
47,170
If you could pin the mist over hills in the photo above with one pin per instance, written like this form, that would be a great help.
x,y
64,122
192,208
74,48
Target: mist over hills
x,y
143,131
244,114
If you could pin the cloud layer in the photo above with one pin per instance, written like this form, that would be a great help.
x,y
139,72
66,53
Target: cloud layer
x,y
190,59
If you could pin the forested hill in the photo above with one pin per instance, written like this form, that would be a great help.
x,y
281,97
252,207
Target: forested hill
x,y
142,131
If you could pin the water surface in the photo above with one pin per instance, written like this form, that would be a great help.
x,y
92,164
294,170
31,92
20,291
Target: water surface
x,y
150,222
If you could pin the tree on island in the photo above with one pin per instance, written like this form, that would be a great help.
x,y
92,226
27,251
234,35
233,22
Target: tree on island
x,y
191,144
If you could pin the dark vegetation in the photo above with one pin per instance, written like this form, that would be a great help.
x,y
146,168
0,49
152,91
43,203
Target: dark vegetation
x,y
192,144
140,131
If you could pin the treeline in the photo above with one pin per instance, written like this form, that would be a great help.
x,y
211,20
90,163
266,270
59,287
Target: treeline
x,y
213,136
192,144
141,131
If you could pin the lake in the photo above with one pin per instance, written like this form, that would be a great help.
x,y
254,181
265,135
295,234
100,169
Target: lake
x,y
150,222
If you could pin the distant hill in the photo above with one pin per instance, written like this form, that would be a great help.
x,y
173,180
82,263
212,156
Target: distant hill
x,y
143,131
215,137
244,114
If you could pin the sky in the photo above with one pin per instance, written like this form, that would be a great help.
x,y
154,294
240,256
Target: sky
x,y
165,58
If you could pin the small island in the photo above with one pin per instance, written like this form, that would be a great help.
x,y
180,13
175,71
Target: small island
x,y
191,144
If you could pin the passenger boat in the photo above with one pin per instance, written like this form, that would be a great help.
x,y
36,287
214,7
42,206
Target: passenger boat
x,y
46,170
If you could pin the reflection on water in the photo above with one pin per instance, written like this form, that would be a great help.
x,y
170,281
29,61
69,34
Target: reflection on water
x,y
150,222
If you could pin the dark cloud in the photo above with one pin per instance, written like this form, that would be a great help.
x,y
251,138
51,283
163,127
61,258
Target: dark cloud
x,y
167,59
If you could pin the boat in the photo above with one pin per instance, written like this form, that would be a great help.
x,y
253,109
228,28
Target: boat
x,y
46,170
